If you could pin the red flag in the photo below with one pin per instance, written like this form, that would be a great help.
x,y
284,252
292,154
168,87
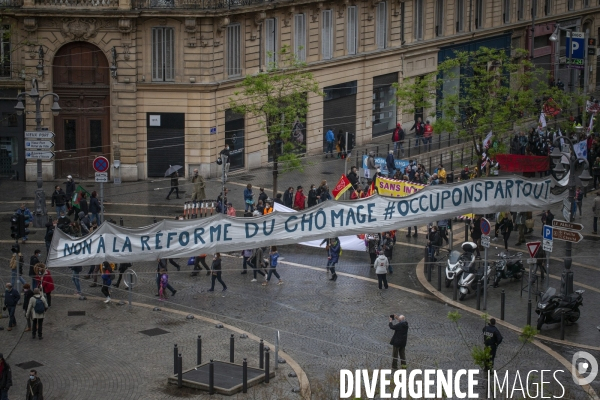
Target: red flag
x,y
339,189
372,189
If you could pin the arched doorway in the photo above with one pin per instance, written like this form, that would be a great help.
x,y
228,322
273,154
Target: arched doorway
x,y
81,79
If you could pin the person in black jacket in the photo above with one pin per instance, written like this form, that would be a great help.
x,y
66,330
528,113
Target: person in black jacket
x,y
70,186
59,200
11,299
5,377
35,389
27,295
353,177
399,339
122,268
174,185
312,196
491,338
216,273
288,197
35,258
83,206
95,208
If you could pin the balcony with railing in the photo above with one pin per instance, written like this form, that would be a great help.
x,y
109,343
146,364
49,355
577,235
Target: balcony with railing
x,y
193,4
11,3
77,3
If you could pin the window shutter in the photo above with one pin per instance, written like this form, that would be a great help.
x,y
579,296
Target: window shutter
x,y
326,36
157,54
169,56
352,33
300,37
381,33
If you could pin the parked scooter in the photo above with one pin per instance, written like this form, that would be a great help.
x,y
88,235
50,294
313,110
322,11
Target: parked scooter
x,y
457,262
470,277
508,267
552,306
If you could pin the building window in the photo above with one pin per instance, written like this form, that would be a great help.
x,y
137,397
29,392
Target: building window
x,y
439,17
5,49
384,104
534,7
381,37
327,36
520,9
300,37
571,4
548,7
402,23
506,11
419,19
234,57
460,15
479,14
586,3
271,42
352,30
162,55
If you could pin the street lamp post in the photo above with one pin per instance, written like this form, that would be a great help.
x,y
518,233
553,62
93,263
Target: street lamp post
x,y
40,217
557,157
554,38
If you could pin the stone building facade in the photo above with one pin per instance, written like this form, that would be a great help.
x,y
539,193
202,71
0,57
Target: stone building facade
x,y
146,82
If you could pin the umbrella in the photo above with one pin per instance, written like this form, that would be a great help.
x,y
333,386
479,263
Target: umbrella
x,y
172,168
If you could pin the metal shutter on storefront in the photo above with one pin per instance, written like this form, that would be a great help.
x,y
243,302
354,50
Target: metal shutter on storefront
x,y
166,143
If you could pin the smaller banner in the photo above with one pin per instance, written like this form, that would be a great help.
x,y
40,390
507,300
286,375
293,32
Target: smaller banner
x,y
77,195
395,188
581,149
521,163
339,189
380,162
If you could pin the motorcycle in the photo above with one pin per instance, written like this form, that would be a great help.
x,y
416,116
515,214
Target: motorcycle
x,y
457,262
470,277
552,306
508,267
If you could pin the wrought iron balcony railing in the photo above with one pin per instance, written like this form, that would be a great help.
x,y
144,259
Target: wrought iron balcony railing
x,y
193,4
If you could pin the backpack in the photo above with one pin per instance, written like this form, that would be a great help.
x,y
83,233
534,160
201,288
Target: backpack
x,y
39,306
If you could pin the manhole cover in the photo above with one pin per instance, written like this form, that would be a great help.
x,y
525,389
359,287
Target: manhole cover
x,y
75,313
30,365
154,332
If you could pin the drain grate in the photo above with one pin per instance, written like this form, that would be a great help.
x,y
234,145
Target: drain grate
x,y
154,332
30,365
75,313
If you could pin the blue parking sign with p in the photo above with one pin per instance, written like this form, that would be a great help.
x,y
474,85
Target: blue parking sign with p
x,y
547,232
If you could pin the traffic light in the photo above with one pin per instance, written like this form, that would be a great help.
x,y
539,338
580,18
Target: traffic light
x,y
14,226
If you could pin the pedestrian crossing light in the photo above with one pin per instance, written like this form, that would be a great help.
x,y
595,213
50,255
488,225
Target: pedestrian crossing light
x,y
17,226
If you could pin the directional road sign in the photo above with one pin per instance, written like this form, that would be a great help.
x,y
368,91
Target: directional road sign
x,y
566,225
39,155
100,164
547,232
39,144
39,134
567,236
102,177
547,245
533,248
485,226
485,241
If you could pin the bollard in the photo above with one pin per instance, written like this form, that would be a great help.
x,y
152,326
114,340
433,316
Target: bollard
x,y
377,151
180,372
175,359
199,350
267,366
529,312
121,221
154,219
211,378
478,294
426,264
245,376
439,286
466,231
231,355
562,326
455,284
429,268
261,355
502,300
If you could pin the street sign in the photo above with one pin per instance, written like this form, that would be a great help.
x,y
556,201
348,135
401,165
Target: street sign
x,y
102,177
531,260
567,236
547,232
100,164
566,225
485,241
39,155
547,245
117,180
39,144
213,130
485,226
39,134
533,248
578,44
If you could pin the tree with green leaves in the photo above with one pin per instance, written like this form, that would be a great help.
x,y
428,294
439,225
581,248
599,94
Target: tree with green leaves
x,y
278,99
478,92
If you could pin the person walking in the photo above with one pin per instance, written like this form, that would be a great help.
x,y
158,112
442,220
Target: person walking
x,y
162,287
5,378
36,310
107,275
248,198
596,171
419,128
201,259
329,138
476,233
256,263
491,338
45,282
388,249
428,134
95,208
246,254
225,160
373,247
76,270
313,198
520,222
399,339
398,138
216,273
442,225
414,234
333,257
506,227
59,200
596,210
371,169
273,257
35,389
198,187
578,203
122,268
16,265
390,163
299,200
381,268
174,185
27,218
162,264
27,295
11,299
